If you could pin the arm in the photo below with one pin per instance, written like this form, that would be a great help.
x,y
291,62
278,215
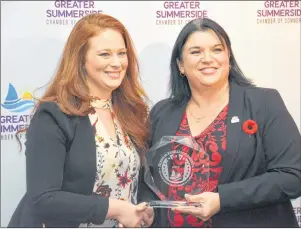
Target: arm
x,y
145,194
47,138
282,148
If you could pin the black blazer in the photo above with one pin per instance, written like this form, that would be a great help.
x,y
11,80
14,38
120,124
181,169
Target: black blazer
x,y
261,172
60,172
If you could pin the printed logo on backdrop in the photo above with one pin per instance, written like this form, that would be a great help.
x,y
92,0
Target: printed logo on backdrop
x,y
297,211
179,12
69,12
279,12
19,113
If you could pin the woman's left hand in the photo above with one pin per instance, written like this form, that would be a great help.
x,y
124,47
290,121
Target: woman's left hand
x,y
210,205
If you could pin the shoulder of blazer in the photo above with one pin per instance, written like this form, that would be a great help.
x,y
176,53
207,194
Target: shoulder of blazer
x,y
160,108
259,96
262,97
259,91
50,112
264,102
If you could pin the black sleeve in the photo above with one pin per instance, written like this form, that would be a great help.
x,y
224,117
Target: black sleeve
x,y
47,139
145,194
282,148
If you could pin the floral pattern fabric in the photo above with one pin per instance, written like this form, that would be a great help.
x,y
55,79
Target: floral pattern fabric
x,y
118,164
213,141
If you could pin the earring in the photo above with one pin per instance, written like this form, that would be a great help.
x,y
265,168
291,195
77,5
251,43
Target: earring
x,y
182,74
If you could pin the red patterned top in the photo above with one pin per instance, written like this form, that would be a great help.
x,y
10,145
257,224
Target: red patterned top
x,y
213,141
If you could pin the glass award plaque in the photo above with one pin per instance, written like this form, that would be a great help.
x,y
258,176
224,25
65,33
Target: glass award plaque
x,y
176,163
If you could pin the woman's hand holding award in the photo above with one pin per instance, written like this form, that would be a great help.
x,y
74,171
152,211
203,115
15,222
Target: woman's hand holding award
x,y
176,163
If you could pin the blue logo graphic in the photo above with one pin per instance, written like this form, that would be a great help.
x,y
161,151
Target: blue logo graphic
x,y
17,104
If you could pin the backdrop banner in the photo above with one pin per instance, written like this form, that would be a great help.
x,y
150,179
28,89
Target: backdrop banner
x,y
265,38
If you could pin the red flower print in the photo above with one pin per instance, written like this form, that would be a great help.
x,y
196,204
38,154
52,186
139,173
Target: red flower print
x,y
206,153
194,221
212,145
250,127
92,110
173,190
175,218
124,180
208,185
180,188
216,159
185,149
193,185
188,189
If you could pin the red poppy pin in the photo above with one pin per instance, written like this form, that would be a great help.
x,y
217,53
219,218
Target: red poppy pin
x,y
250,127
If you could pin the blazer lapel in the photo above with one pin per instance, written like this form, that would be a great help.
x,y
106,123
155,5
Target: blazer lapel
x,y
86,152
234,128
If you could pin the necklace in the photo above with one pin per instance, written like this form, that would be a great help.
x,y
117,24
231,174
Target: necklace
x,y
198,119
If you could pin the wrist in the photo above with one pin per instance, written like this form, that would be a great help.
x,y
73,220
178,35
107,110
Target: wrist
x,y
114,209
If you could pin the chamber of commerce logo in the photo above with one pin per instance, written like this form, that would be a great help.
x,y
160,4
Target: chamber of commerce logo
x,y
279,12
69,12
20,107
178,175
179,12
16,104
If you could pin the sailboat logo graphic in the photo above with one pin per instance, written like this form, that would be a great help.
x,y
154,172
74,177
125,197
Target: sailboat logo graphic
x,y
17,104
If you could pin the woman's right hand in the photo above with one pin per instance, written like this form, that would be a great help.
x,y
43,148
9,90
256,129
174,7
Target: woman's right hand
x,y
125,213
148,215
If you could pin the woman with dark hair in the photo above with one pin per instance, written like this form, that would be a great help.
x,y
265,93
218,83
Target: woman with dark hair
x,y
252,142
88,135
